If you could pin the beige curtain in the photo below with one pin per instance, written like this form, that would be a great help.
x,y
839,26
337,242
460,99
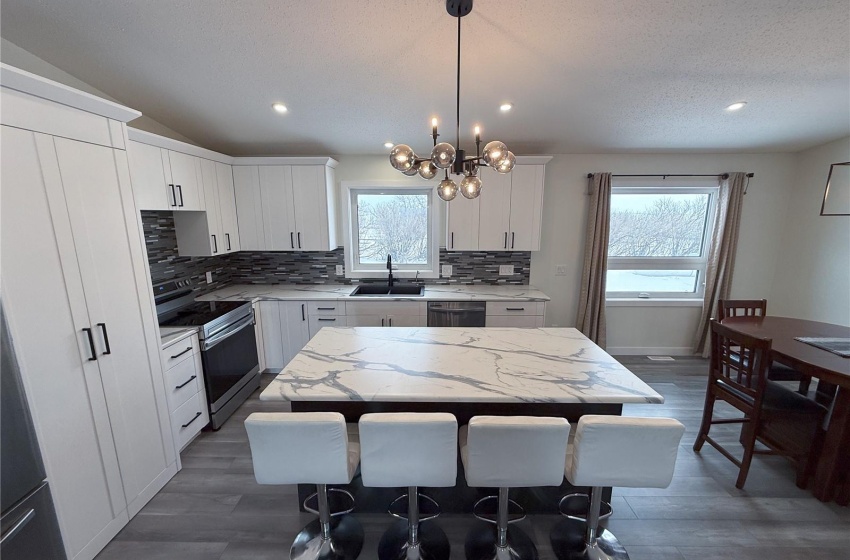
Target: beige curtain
x,y
721,256
591,308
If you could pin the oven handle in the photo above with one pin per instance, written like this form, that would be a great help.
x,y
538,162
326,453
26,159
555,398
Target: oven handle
x,y
230,331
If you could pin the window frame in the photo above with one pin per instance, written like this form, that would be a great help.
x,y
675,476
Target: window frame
x,y
353,269
699,263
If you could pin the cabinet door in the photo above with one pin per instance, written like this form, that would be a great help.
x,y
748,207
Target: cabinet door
x,y
366,320
277,211
185,174
45,305
526,207
130,369
318,322
272,335
258,333
249,208
209,181
462,224
309,195
495,210
227,208
296,332
405,321
151,189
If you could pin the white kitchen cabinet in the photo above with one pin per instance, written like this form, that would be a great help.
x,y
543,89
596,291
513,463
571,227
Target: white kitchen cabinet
x,y
184,386
151,189
258,334
285,331
462,224
524,314
227,207
386,314
362,320
186,178
82,319
317,322
285,207
511,209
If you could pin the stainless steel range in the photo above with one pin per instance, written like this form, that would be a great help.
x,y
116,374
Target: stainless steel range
x,y
228,344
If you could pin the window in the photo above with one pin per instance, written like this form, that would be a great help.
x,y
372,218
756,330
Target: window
x,y
391,219
659,241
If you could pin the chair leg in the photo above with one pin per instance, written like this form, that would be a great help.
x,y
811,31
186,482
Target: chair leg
x,y
805,383
328,537
598,543
749,450
707,414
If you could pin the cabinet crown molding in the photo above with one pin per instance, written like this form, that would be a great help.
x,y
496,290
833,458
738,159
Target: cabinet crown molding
x,y
32,84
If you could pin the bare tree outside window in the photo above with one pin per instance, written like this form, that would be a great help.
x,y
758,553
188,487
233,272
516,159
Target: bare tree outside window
x,y
392,224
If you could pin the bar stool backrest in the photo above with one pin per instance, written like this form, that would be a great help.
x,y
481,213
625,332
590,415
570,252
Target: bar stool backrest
x,y
301,448
624,451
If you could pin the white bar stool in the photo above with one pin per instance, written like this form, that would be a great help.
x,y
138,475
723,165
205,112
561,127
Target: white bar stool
x,y
410,449
509,452
310,448
613,451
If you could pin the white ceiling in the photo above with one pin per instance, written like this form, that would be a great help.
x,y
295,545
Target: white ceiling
x,y
584,75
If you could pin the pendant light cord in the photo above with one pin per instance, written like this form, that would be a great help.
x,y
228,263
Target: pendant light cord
x,y
457,130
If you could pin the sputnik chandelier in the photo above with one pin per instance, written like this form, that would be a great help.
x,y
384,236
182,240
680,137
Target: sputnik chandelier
x,y
445,156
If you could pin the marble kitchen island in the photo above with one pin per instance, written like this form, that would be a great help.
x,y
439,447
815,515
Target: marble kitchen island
x,y
464,371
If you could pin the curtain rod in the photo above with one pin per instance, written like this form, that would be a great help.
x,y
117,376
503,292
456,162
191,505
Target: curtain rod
x,y
665,175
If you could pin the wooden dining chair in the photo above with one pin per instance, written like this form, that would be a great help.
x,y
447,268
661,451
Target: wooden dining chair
x,y
786,422
758,308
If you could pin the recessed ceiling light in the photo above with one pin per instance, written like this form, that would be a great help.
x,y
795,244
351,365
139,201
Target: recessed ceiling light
x,y
505,107
388,144
279,107
736,106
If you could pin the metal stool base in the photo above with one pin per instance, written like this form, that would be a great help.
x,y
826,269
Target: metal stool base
x,y
576,506
569,543
481,544
345,542
433,543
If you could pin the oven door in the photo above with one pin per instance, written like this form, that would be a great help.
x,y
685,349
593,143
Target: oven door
x,y
230,361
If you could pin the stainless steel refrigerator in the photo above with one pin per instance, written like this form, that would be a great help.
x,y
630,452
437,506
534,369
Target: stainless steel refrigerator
x,y
28,522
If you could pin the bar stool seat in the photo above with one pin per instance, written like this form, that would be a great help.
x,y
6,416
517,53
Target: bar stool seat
x,y
613,451
310,448
412,450
506,452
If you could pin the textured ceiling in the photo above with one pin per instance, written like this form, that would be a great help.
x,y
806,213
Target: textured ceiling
x,y
585,76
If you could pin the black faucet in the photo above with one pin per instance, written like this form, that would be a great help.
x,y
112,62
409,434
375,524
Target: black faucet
x,y
390,269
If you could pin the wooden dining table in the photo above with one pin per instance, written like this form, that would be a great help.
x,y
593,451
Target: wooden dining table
x,y
820,364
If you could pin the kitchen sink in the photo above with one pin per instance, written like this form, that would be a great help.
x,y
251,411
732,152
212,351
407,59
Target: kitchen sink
x,y
383,290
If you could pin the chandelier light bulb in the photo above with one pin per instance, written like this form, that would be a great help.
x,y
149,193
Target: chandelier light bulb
x,y
427,169
443,155
470,186
402,157
494,152
414,169
447,190
507,164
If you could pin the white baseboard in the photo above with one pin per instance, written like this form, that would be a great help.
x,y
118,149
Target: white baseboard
x,y
645,351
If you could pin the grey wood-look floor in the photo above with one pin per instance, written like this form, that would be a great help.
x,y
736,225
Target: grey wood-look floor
x,y
214,510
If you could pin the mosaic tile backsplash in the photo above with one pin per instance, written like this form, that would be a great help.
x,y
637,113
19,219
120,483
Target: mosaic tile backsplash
x,y
249,267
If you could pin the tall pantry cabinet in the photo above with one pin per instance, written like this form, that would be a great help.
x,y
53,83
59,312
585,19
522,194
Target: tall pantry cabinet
x,y
74,283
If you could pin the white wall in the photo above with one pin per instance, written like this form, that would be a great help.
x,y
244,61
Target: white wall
x,y
14,55
812,275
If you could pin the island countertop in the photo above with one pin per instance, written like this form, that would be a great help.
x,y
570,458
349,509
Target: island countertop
x,y
342,292
473,365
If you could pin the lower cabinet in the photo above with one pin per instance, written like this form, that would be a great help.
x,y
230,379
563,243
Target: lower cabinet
x,y
285,331
184,387
523,314
386,314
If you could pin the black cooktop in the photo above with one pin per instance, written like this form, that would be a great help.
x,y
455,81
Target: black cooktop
x,y
200,313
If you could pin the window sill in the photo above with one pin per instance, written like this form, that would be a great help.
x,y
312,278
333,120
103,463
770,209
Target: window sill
x,y
653,302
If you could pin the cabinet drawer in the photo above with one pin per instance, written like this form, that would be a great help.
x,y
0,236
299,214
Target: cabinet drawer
x,y
521,321
181,382
189,419
384,308
514,308
325,308
179,351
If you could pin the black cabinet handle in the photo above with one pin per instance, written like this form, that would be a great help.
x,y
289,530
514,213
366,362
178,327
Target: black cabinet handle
x,y
197,414
299,239
184,384
18,526
506,240
292,239
382,322
215,244
515,309
513,235
302,312
323,319
227,237
453,240
391,321
325,308
180,190
173,195
105,338
181,353
91,344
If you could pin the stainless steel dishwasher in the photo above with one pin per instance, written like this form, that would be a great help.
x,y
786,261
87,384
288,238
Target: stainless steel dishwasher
x,y
456,313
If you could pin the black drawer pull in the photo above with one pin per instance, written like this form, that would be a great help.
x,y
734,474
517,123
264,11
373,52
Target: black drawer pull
x,y
105,338
326,308
173,195
215,244
515,309
197,414
181,353
93,356
187,382
227,237
299,239
180,190
506,240
513,236
322,319
292,239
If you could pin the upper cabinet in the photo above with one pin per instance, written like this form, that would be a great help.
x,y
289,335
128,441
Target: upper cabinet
x,y
164,179
286,207
506,217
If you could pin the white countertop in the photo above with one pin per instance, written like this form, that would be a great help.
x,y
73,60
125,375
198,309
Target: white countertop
x,y
456,365
170,335
452,292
